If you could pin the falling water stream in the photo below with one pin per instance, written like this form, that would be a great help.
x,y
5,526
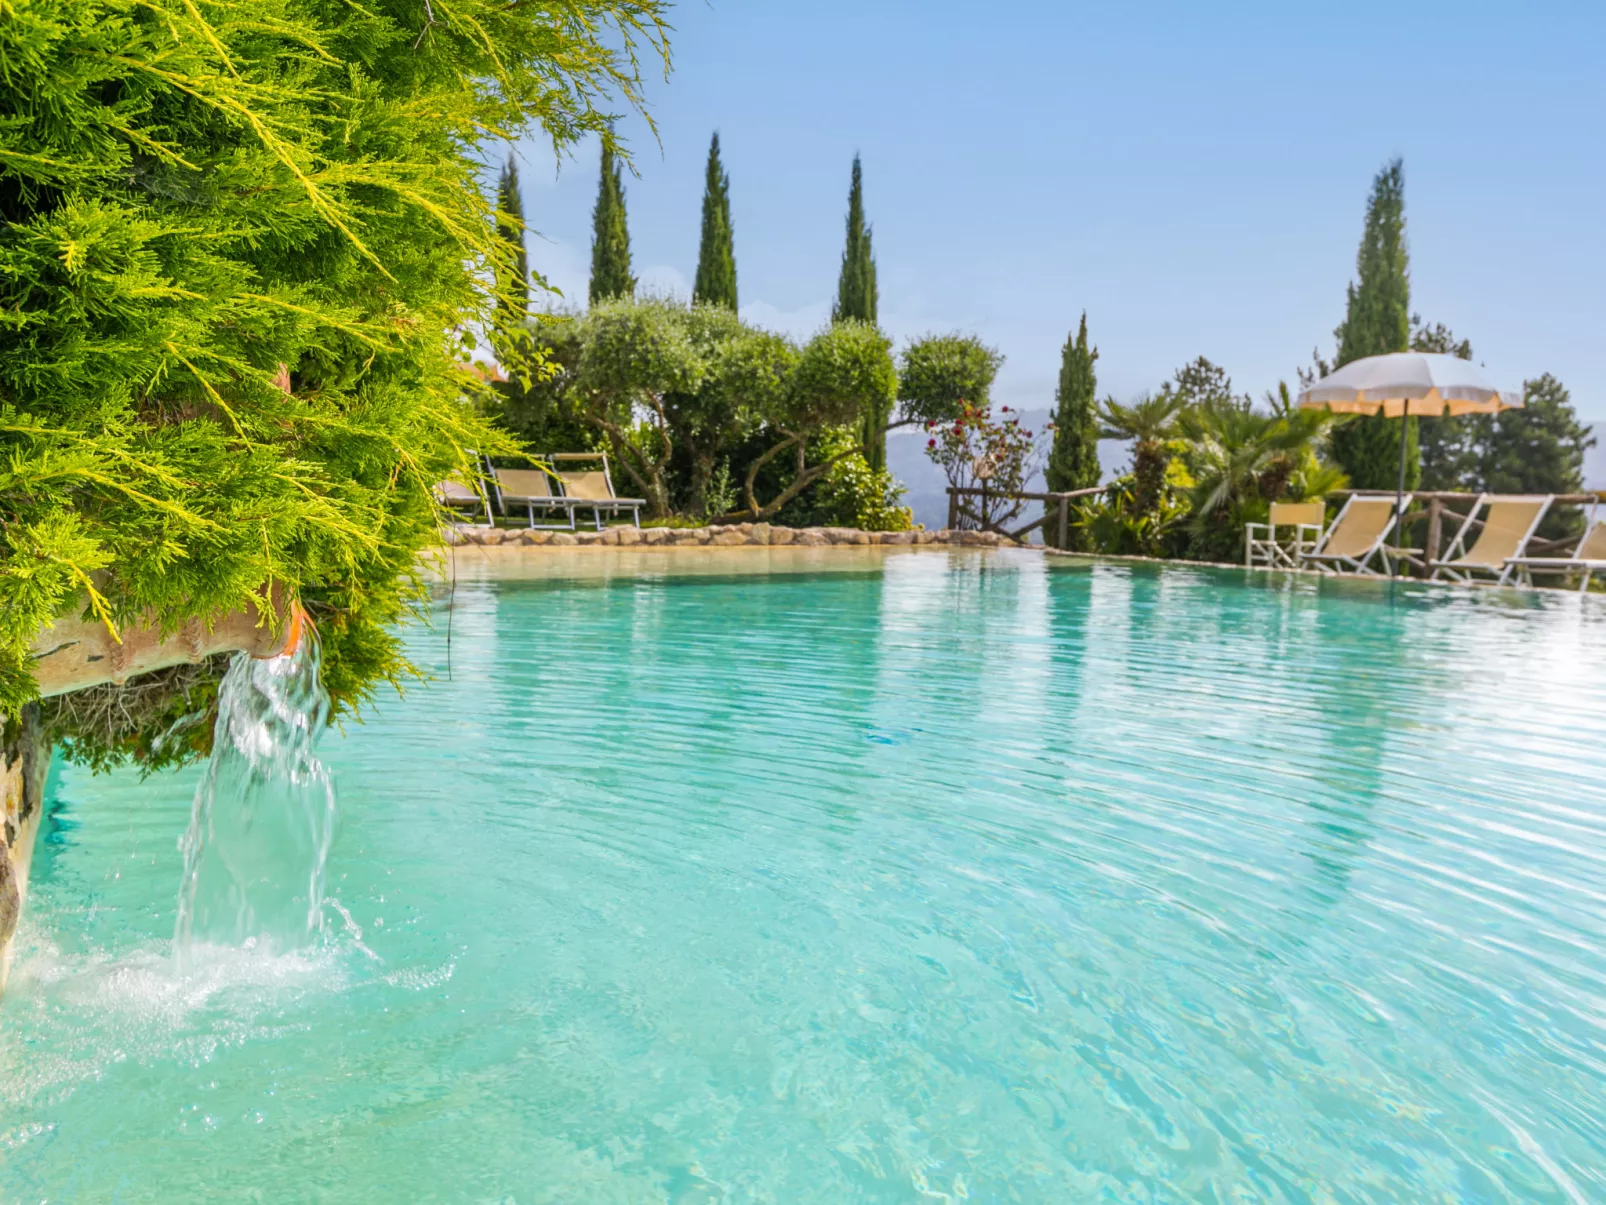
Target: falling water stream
x,y
260,827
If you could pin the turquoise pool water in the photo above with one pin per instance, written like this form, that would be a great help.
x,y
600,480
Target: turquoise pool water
x,y
956,877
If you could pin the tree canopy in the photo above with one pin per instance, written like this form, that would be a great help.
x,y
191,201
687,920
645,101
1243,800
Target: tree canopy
x,y
242,255
937,374
663,384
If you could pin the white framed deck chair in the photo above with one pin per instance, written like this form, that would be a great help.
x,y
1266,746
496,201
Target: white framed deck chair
x,y
1508,524
592,489
532,489
1357,536
1588,558
1261,545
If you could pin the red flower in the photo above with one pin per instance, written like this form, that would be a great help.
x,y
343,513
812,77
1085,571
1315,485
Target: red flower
x,y
931,443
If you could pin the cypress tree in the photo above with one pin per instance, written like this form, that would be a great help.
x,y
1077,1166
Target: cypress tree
x,y
716,255
513,274
1377,321
856,298
1073,461
856,287
610,235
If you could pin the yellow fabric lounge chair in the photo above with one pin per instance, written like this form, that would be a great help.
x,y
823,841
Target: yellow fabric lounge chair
x,y
592,489
532,489
1509,524
1589,557
1306,518
1357,536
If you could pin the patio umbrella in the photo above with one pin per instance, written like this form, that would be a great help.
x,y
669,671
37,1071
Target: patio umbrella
x,y
1406,383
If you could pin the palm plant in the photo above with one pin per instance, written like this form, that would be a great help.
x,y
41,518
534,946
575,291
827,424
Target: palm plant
x,y
1241,461
1148,423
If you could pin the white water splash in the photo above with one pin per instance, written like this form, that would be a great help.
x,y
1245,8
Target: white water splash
x,y
263,816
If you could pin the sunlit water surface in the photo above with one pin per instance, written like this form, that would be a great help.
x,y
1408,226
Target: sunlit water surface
x,y
958,877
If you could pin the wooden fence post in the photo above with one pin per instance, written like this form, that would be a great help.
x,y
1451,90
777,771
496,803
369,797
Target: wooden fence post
x,y
953,507
1430,546
1065,523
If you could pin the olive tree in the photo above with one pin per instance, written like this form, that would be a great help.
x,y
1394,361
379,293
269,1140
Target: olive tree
x,y
939,374
843,375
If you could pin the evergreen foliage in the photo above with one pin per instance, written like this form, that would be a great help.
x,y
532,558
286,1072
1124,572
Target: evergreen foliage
x,y
610,234
242,249
513,283
1538,449
856,294
716,253
856,301
1376,322
1073,459
1446,443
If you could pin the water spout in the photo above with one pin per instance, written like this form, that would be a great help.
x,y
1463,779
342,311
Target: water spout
x,y
263,815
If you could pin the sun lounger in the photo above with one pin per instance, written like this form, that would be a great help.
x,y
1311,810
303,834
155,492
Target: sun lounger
x,y
1589,557
532,489
1509,524
454,495
1356,536
1306,518
592,489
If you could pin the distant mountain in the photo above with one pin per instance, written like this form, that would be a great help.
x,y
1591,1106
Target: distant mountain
x,y
927,492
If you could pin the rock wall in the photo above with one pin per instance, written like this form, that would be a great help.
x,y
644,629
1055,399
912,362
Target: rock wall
x,y
24,759
734,535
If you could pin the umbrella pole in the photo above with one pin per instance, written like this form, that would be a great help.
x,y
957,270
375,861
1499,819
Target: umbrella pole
x,y
1399,494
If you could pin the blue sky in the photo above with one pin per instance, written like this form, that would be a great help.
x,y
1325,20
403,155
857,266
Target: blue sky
x,y
1192,175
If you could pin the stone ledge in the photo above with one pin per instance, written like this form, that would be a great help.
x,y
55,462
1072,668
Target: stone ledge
x,y
737,534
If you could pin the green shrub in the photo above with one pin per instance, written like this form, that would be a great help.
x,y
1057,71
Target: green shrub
x,y
243,249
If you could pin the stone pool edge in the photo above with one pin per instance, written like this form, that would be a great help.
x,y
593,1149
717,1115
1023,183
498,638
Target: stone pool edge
x,y
766,535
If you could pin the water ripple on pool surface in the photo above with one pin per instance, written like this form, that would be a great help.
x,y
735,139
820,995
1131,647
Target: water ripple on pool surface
x,y
963,877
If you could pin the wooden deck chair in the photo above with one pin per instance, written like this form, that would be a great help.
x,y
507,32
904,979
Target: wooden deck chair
x,y
532,489
1510,523
1356,536
1306,518
1589,557
592,489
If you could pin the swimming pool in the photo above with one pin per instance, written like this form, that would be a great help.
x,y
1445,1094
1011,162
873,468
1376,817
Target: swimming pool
x,y
939,876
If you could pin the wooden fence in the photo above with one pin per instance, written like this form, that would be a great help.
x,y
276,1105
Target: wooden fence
x,y
1061,512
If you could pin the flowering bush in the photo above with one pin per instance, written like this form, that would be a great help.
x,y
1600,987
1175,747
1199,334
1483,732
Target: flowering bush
x,y
978,451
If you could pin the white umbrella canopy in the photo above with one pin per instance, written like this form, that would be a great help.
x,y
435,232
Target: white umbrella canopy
x,y
1408,382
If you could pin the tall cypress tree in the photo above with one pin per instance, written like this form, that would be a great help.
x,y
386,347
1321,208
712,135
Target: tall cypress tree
x,y
610,235
1073,461
513,276
716,255
856,298
1377,320
856,294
